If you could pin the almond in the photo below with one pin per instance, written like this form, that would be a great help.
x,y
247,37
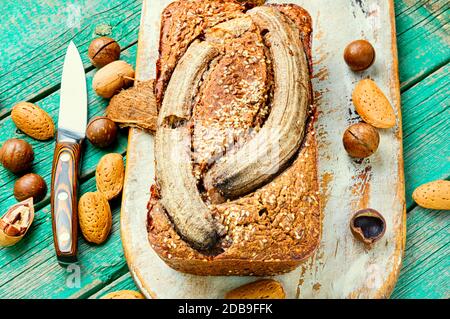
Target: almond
x,y
109,175
95,218
433,195
33,121
372,105
262,289
124,294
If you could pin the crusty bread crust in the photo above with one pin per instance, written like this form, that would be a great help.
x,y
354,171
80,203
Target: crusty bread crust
x,y
181,23
267,232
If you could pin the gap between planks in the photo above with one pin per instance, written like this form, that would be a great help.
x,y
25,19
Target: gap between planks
x,y
414,7
56,87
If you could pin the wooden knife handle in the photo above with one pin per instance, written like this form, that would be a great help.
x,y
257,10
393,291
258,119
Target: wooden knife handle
x,y
64,201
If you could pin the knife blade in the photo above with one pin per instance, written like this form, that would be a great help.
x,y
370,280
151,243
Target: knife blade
x,y
72,121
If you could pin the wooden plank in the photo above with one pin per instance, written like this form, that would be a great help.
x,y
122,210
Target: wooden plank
x,y
407,106
36,250
426,266
30,270
35,35
125,282
403,25
340,271
427,119
40,52
44,150
425,272
422,37
424,161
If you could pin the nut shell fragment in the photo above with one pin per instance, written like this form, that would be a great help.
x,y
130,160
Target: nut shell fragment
x,y
368,226
135,107
14,224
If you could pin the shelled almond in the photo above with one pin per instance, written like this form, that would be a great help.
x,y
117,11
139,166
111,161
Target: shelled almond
x,y
33,121
94,215
261,289
433,195
109,175
123,294
372,105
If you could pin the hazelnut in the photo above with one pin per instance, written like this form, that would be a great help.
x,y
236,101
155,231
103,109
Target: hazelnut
x,y
112,78
30,185
359,55
361,140
367,225
101,131
103,51
16,155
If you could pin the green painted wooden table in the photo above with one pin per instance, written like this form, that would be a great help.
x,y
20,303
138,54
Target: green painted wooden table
x,y
33,38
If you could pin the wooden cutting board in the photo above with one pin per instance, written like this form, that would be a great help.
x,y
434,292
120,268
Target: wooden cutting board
x,y
341,266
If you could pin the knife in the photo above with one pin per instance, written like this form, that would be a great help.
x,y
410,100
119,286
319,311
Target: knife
x,y
65,170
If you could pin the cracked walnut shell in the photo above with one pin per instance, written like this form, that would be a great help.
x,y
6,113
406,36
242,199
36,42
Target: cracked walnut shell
x,y
135,107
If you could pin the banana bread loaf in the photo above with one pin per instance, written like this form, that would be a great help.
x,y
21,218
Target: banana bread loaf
x,y
228,78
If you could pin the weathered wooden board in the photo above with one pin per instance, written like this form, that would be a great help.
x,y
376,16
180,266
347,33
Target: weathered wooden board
x,y
423,37
426,266
422,32
426,121
124,282
425,270
35,38
341,267
44,150
29,269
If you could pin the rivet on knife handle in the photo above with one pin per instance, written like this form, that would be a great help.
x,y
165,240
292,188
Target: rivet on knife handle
x,y
64,200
